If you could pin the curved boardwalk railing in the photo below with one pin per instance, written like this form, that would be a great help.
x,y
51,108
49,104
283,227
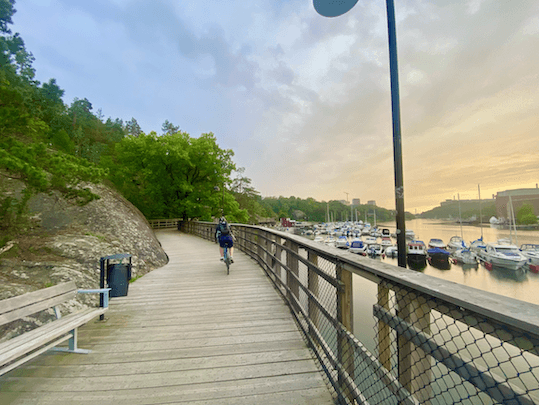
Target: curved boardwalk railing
x,y
424,341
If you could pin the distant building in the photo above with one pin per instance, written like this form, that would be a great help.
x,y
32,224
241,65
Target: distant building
x,y
287,222
519,197
371,202
344,202
451,202
356,201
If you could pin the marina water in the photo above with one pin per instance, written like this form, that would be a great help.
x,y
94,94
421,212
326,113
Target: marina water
x,y
522,285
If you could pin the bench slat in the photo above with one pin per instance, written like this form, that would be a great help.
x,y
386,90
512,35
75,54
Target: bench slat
x,y
27,304
34,354
36,307
25,343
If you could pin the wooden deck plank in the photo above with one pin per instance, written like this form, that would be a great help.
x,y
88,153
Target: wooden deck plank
x,y
186,333
232,390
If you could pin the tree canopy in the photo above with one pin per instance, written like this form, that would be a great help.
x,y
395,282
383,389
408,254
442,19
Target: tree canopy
x,y
175,176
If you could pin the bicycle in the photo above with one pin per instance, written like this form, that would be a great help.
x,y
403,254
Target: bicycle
x,y
226,259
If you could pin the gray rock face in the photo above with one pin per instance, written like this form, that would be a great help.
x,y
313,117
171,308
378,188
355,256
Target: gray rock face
x,y
66,244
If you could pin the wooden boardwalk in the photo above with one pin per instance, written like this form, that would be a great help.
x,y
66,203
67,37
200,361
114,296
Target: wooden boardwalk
x,y
186,333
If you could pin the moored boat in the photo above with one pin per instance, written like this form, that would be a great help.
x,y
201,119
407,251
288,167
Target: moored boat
x,y
436,243
358,246
386,241
416,254
438,257
531,252
391,251
374,250
478,248
506,256
369,240
342,242
456,242
464,256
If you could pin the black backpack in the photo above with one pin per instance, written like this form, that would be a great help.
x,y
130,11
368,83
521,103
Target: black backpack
x,y
224,228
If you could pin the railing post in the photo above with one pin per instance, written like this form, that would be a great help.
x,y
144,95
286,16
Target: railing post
x,y
276,267
345,317
414,364
261,243
292,263
384,337
312,282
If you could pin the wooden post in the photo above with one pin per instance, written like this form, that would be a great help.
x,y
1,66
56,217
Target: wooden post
x,y
312,283
384,337
345,316
414,364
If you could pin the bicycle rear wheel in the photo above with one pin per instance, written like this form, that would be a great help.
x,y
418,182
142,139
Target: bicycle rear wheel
x,y
227,261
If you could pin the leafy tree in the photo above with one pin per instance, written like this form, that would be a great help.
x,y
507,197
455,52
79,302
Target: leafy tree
x,y
525,215
174,176
169,128
247,197
133,128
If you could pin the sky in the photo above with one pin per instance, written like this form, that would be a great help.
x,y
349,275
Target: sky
x,y
304,100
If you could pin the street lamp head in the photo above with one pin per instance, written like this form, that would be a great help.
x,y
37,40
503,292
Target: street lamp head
x,y
333,8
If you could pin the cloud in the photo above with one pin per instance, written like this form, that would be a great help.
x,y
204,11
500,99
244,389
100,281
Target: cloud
x,y
304,100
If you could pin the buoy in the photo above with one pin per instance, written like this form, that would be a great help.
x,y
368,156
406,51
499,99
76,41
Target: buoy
x,y
488,266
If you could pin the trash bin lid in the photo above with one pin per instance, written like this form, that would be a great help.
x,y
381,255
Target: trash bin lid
x,y
116,256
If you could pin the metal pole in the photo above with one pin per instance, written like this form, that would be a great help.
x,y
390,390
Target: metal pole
x,y
397,146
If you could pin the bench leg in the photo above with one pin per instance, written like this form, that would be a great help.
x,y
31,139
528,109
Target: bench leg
x,y
73,340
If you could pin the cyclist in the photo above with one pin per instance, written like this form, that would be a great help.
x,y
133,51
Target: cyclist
x,y
224,235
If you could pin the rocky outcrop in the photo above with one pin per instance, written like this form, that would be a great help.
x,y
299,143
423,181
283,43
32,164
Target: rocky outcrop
x,y
66,242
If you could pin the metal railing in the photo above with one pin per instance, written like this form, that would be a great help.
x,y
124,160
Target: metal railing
x,y
416,339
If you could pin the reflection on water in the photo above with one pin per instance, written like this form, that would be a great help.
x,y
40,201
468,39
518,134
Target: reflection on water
x,y
521,285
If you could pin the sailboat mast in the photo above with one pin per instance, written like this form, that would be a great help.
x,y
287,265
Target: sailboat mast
x,y
460,217
480,213
513,219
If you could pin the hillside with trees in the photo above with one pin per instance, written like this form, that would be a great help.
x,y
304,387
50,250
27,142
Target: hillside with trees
x,y
314,211
468,210
50,147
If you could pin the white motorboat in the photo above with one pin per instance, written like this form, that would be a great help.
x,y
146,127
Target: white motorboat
x,y
342,242
436,243
330,241
531,251
386,241
410,234
478,248
319,239
369,240
464,256
506,256
374,250
376,233
358,246
455,243
391,251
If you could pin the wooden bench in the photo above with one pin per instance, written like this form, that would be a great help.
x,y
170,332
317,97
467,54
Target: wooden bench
x,y
28,345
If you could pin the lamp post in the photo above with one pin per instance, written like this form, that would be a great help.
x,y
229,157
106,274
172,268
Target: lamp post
x,y
334,8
